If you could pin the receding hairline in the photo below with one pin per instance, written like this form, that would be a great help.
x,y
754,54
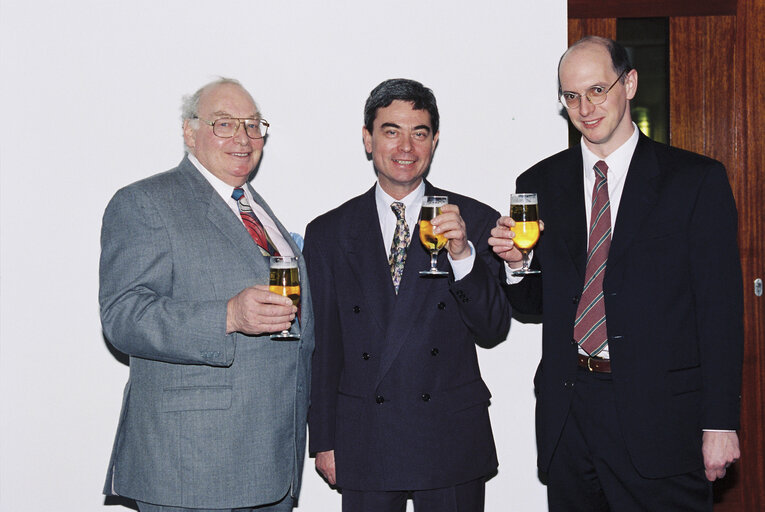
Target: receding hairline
x,y
211,87
589,41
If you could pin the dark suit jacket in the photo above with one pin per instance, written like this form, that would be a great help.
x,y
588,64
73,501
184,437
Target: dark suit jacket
x,y
397,391
673,297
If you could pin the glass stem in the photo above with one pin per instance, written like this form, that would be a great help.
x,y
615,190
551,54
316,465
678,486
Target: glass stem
x,y
525,260
433,260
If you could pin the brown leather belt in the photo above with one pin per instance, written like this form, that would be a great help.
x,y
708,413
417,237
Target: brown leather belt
x,y
595,364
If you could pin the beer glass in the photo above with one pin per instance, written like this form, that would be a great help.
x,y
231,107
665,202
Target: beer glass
x,y
524,211
431,207
285,280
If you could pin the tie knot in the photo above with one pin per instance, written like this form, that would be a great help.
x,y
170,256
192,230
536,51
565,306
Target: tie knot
x,y
237,194
398,208
601,169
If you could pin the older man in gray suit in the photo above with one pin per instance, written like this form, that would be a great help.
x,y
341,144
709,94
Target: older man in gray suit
x,y
214,412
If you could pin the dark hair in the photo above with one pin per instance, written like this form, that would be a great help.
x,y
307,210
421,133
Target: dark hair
x,y
400,89
620,60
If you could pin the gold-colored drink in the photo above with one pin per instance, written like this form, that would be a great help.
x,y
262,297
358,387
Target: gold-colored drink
x,y
285,281
431,241
526,227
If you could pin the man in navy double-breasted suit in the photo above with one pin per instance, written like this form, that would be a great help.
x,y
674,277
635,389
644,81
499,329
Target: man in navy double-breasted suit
x,y
398,406
644,417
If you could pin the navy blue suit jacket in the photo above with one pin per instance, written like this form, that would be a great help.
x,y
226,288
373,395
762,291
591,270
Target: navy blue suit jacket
x,y
673,297
396,388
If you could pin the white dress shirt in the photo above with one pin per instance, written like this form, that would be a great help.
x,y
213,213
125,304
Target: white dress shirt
x,y
225,190
412,205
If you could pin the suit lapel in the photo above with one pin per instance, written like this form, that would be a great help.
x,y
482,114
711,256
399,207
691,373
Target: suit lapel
x,y
368,261
412,295
638,197
219,214
569,209
305,292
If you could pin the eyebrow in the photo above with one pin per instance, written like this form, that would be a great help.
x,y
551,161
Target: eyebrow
x,y
223,113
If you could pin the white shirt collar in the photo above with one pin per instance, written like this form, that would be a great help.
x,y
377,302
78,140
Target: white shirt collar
x,y
618,161
220,186
384,200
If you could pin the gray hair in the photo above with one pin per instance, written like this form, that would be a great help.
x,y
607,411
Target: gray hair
x,y
190,102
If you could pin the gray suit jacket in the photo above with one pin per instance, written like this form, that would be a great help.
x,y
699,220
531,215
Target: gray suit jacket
x,y
208,420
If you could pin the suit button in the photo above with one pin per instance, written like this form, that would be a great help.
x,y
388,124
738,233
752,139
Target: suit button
x,y
434,351
575,300
425,397
573,342
441,305
568,384
465,299
365,356
380,399
356,309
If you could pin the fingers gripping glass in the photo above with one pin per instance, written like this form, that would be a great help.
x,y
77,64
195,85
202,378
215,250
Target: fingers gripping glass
x,y
596,94
226,127
284,279
433,243
524,211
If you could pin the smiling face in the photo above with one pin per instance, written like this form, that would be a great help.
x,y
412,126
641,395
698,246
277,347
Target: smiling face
x,y
607,126
402,144
232,159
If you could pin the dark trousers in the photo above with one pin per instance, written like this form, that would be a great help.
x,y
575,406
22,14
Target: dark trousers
x,y
591,469
467,497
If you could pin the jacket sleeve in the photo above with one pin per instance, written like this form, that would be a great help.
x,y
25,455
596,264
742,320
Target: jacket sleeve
x,y
482,304
327,363
718,293
139,314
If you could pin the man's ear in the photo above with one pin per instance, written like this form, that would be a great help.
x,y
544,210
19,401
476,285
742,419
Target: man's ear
x,y
189,134
367,139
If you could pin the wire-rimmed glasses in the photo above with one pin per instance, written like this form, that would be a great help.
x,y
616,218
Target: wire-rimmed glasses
x,y
226,127
596,94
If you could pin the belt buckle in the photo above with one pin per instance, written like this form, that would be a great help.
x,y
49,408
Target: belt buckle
x,y
589,359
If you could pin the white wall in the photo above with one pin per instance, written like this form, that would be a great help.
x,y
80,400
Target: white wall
x,y
90,102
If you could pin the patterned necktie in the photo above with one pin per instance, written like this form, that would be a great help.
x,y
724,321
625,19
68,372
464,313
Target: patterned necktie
x,y
590,325
253,225
398,247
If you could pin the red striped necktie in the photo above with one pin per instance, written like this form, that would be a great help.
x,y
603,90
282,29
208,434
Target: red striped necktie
x,y
590,324
253,224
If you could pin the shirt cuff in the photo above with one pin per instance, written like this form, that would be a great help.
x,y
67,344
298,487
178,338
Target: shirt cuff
x,y
509,277
462,267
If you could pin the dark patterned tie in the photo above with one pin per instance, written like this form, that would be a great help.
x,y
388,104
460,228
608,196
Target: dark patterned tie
x,y
253,224
590,324
400,243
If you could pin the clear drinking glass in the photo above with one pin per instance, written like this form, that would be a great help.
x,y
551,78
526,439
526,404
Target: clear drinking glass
x,y
284,279
525,213
431,207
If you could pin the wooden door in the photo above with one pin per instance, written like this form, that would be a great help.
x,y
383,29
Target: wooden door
x,y
717,108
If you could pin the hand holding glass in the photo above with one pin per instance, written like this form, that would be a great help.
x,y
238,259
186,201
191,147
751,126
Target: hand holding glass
x,y
284,279
431,208
524,211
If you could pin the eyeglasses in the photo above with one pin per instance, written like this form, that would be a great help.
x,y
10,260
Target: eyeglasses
x,y
596,94
226,127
